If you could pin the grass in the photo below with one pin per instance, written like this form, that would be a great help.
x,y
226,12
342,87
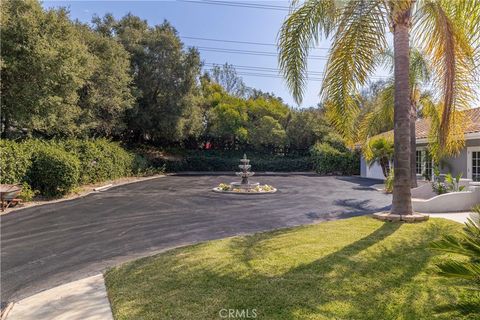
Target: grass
x,y
357,268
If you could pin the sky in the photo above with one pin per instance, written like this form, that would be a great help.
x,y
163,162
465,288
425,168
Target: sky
x,y
219,22
245,33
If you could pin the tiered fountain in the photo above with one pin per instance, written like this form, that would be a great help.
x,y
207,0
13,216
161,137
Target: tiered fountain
x,y
244,186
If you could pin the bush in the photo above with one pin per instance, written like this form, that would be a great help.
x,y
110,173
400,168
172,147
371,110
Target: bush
x,y
463,264
100,159
212,160
329,160
97,160
54,172
27,193
15,160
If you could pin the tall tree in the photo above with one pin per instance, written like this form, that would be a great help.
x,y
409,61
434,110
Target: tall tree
x,y
447,31
380,117
106,95
227,77
304,128
44,64
165,77
229,121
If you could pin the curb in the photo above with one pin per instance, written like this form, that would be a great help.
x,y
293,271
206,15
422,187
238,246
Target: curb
x,y
5,311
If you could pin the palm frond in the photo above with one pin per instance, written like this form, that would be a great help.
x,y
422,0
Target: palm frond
x,y
466,245
304,26
450,49
419,68
380,118
454,141
360,37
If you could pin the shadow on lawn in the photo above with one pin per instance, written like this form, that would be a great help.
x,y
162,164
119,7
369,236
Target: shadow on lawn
x,y
346,284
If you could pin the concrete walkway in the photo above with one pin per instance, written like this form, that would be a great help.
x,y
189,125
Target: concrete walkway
x,y
84,299
460,217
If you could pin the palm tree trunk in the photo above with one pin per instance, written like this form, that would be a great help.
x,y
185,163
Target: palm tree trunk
x,y
402,197
413,146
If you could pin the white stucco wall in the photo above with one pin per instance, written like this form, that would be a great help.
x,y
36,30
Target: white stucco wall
x,y
449,202
374,171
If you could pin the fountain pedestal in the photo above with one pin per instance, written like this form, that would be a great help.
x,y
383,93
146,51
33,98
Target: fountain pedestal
x,y
244,186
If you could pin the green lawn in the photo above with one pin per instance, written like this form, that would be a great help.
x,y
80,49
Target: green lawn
x,y
357,268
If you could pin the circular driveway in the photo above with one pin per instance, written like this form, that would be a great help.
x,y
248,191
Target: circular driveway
x,y
49,245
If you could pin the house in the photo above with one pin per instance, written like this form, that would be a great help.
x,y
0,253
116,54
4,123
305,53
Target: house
x,y
467,162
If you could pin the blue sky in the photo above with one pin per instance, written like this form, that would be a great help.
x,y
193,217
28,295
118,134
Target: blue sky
x,y
222,22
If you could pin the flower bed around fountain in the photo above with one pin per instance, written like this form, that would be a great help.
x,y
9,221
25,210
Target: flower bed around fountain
x,y
245,186
227,188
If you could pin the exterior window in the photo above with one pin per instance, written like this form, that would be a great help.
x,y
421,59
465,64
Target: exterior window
x,y
428,166
418,158
476,165
424,164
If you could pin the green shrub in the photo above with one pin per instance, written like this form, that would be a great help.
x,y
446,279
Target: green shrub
x,y
212,160
463,264
329,160
15,160
27,193
54,172
100,159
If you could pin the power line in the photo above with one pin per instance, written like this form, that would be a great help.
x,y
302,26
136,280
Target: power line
x,y
240,5
256,68
265,70
266,75
273,76
242,42
252,52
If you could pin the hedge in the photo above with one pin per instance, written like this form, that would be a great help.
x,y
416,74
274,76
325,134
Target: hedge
x,y
324,159
224,161
15,160
98,160
329,160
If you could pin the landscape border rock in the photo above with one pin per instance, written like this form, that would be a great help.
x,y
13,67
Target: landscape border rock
x,y
387,216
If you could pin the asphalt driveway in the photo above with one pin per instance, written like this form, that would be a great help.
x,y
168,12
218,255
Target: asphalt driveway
x,y
49,245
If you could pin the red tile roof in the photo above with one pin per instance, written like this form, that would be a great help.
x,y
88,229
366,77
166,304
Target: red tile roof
x,y
422,126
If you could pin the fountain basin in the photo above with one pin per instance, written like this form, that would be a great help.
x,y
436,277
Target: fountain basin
x,y
239,188
244,186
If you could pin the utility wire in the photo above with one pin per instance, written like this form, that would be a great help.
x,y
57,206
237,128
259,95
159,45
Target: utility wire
x,y
242,42
277,76
240,5
252,52
256,68
265,70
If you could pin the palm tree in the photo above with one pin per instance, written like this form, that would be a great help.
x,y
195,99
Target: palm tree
x,y
379,150
383,110
445,31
